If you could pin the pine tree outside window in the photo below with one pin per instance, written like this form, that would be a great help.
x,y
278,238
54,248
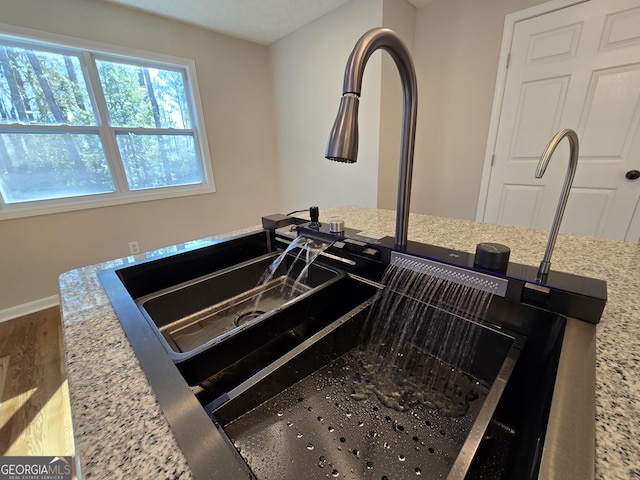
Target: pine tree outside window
x,y
79,128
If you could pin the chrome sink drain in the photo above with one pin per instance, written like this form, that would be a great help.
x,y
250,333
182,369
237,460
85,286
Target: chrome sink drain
x,y
248,316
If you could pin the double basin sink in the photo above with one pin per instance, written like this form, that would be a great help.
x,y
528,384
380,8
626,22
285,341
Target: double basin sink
x,y
276,360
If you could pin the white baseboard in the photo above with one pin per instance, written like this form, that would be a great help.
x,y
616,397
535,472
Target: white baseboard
x,y
30,307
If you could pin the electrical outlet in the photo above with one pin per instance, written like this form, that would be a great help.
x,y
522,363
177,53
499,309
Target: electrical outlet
x,y
134,247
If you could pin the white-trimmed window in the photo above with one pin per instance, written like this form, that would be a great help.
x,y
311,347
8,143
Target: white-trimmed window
x,y
84,127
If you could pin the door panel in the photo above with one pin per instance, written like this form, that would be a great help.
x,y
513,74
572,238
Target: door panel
x,y
611,91
514,197
538,115
586,210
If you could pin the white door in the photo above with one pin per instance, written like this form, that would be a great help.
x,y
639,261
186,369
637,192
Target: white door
x,y
577,68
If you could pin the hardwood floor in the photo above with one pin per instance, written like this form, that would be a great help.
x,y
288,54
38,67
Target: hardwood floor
x,y
35,415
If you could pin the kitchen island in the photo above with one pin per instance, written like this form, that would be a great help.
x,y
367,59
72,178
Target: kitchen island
x,y
121,432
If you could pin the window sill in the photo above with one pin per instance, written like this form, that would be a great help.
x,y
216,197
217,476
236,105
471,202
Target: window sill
x,y
9,212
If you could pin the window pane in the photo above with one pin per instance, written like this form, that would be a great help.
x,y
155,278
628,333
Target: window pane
x,y
42,88
144,97
37,166
152,161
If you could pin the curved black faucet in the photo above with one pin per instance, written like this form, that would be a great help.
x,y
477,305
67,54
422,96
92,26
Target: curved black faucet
x,y
343,140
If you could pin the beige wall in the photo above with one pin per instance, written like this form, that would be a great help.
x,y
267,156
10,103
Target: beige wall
x,y
236,91
456,52
308,69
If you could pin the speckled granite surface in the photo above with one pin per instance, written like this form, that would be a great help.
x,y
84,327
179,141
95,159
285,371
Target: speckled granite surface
x,y
122,433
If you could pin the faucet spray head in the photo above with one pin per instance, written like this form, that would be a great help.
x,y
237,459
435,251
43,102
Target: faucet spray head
x,y
343,139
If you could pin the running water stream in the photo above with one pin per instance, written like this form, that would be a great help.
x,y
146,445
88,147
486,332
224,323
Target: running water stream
x,y
309,249
418,308
421,336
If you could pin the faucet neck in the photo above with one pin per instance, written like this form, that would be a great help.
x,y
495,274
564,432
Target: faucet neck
x,y
375,39
572,137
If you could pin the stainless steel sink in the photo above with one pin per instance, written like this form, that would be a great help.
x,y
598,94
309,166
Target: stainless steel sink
x,y
208,310
243,362
305,400
208,323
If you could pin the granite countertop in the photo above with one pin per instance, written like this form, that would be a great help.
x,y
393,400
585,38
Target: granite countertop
x,y
121,432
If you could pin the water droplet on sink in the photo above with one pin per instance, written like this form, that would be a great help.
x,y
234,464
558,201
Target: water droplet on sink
x,y
397,427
